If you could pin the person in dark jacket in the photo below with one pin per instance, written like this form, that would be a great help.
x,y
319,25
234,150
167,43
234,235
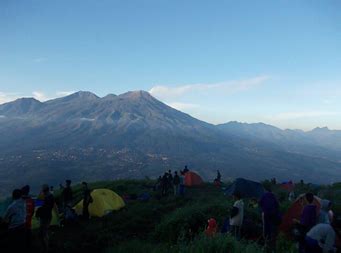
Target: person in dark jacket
x,y
164,184
67,193
176,183
44,213
87,200
30,206
308,219
271,218
309,214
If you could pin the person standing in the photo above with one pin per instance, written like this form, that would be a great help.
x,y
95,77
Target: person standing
x,y
87,200
307,220
164,184
44,213
237,215
182,186
67,194
176,183
169,181
218,176
326,214
15,216
30,206
271,218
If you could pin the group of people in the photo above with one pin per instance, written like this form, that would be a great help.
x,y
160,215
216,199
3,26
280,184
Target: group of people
x,y
171,183
18,218
317,230
20,213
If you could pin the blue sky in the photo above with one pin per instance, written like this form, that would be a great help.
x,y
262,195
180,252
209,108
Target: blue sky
x,y
277,62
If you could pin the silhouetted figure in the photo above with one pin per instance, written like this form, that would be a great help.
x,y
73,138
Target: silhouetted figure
x,y
182,185
176,183
15,216
87,200
218,176
67,194
274,181
169,181
44,213
185,170
30,206
271,218
217,180
164,184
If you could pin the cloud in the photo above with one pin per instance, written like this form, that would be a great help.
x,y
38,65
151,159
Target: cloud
x,y
7,97
227,87
86,119
183,106
39,95
64,93
40,59
301,115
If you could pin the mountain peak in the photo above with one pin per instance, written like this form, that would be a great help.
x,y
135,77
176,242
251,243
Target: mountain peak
x,y
20,106
109,97
321,129
85,94
136,94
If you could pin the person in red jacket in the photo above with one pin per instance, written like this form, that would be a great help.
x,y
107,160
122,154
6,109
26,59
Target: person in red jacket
x,y
211,229
30,206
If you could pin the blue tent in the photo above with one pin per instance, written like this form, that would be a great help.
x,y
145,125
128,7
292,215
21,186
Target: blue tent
x,y
246,188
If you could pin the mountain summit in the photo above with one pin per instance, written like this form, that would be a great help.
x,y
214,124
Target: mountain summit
x,y
85,137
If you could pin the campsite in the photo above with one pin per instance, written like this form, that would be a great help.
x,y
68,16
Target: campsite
x,y
129,216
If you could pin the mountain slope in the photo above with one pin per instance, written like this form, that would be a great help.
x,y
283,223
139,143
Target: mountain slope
x,y
85,137
320,142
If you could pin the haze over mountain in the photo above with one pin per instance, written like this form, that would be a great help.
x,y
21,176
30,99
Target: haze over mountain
x,y
133,135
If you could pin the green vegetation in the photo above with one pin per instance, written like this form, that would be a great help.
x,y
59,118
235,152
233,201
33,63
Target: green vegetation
x,y
164,224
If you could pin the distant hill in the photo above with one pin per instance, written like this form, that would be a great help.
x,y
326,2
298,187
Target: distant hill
x,y
319,142
133,135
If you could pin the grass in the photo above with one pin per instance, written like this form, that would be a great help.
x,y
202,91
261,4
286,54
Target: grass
x,y
163,225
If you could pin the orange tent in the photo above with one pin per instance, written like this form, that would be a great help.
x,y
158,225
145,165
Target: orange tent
x,y
192,178
295,211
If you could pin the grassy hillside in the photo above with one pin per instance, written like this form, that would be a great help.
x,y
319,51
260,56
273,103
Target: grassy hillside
x,y
163,224
159,225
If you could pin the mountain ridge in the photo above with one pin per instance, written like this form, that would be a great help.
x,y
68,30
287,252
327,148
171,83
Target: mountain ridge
x,y
136,135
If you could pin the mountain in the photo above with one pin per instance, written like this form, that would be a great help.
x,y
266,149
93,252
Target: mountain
x,y
20,107
133,135
320,142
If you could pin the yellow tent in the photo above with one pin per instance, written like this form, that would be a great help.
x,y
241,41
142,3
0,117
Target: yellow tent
x,y
104,202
